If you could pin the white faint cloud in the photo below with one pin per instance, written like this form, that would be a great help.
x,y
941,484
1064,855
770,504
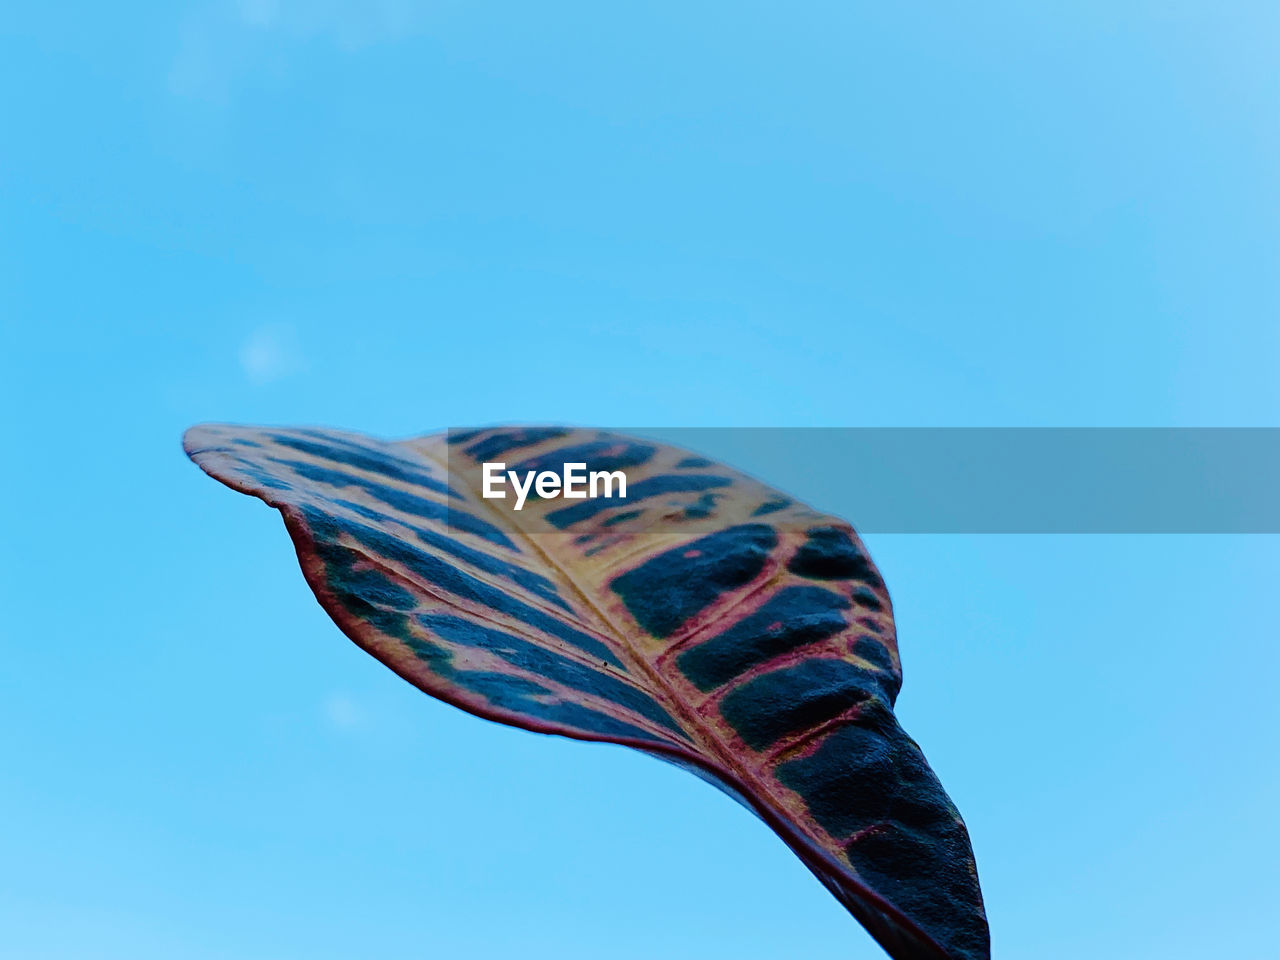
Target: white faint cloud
x,y
342,712
349,23
271,353
222,44
259,13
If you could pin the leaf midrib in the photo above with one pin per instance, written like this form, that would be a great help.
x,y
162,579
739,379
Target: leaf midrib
x,y
703,734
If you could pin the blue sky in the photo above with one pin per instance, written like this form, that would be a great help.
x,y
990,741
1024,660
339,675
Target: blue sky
x,y
397,216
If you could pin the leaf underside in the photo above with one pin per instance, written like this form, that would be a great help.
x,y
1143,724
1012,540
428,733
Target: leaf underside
x,y
706,619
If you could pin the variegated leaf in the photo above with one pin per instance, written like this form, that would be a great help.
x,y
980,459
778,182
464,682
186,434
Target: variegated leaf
x,y
705,619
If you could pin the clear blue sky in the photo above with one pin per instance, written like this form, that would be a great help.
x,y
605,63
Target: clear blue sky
x,y
397,216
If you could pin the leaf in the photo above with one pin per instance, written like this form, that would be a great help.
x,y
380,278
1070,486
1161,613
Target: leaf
x,y
705,619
